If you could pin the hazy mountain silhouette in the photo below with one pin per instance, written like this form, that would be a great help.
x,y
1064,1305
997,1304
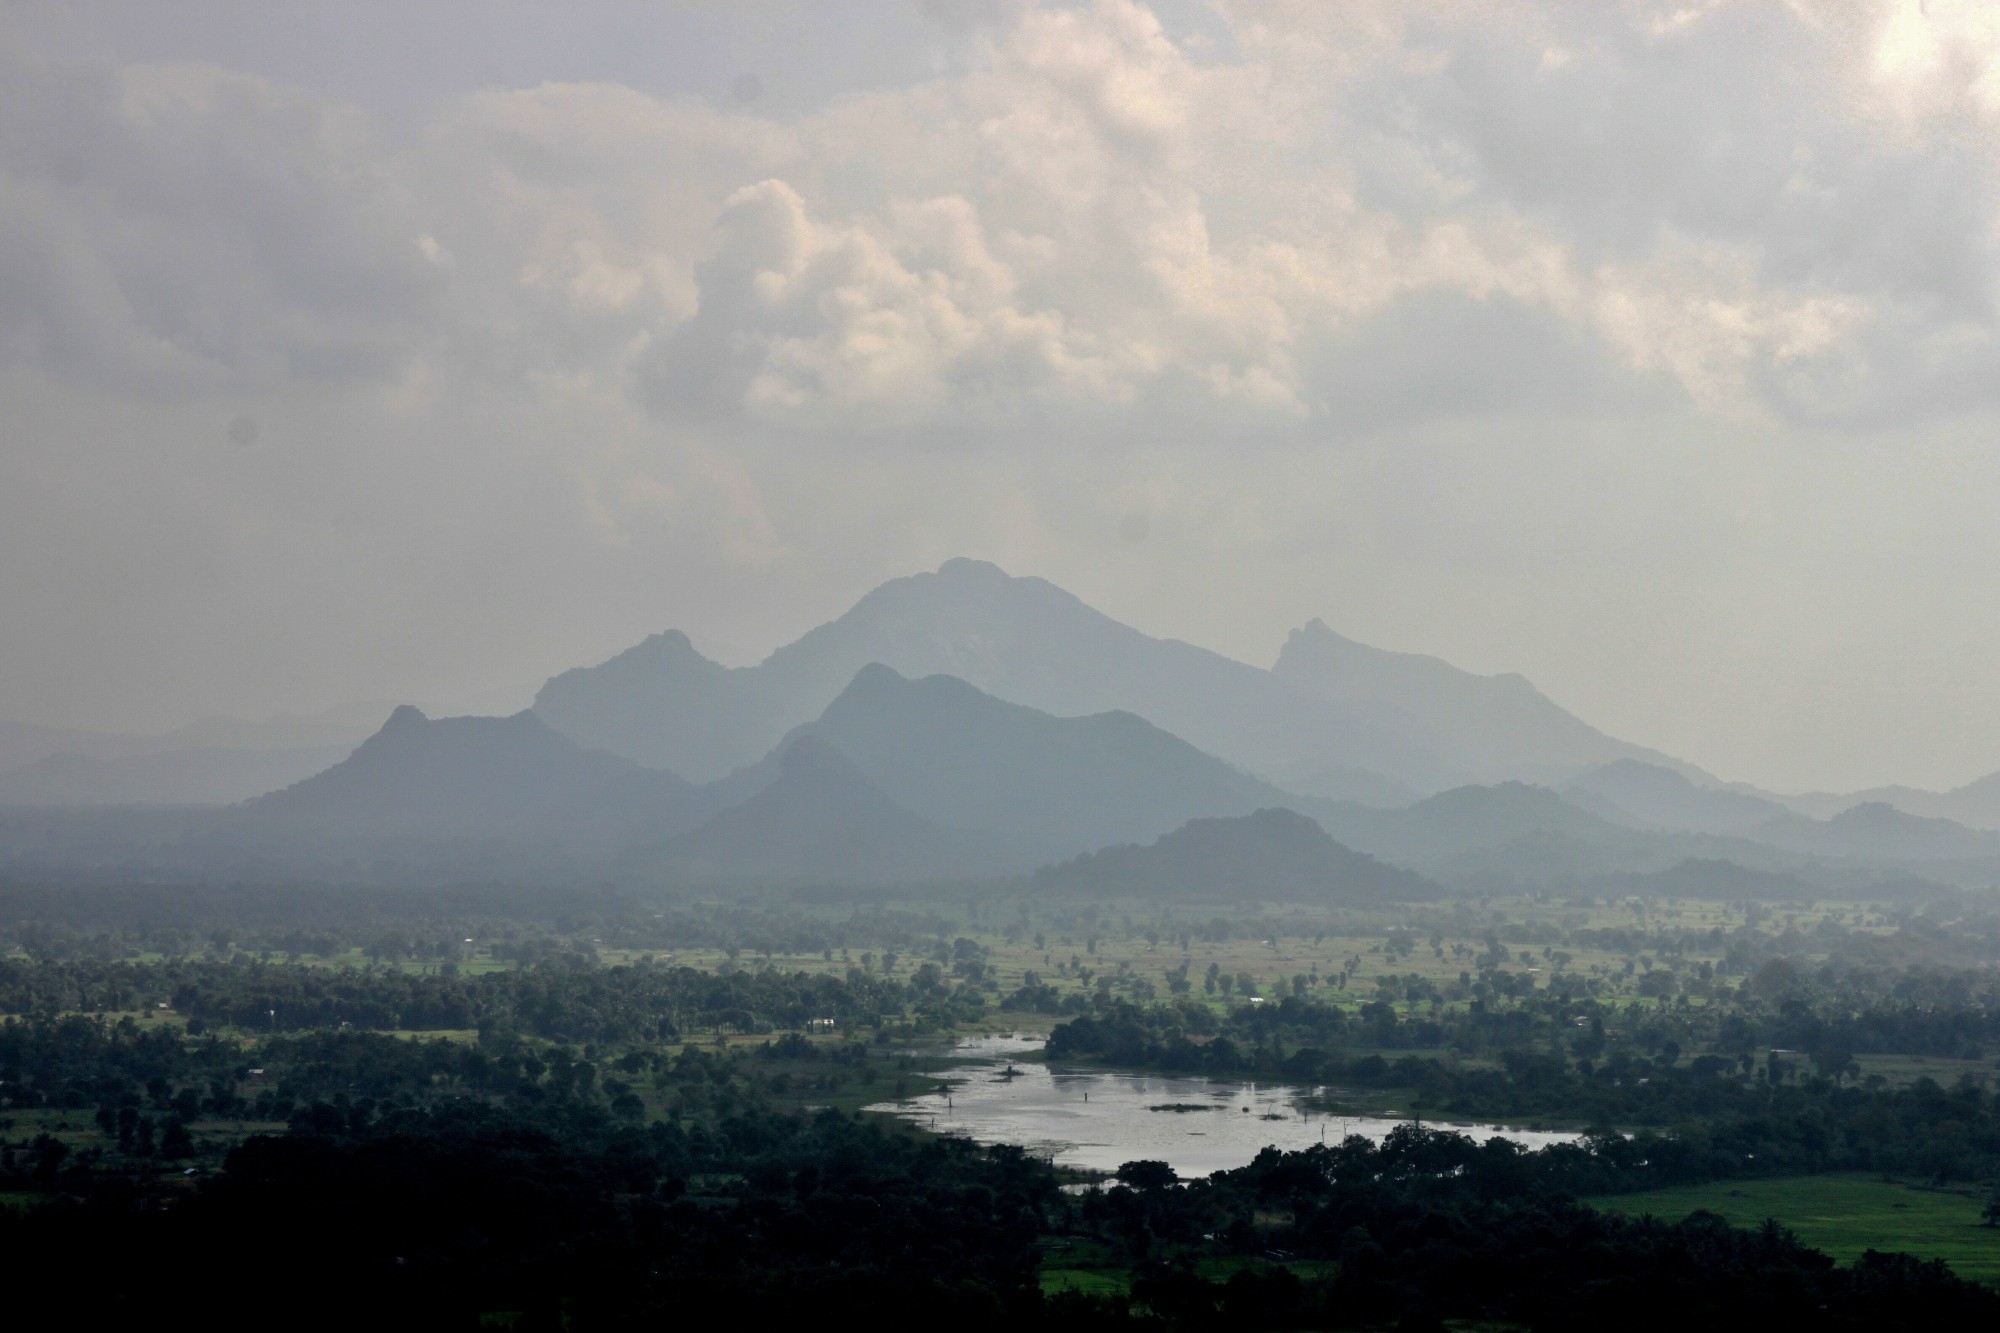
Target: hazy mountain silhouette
x,y
1350,721
1975,805
1878,831
821,820
1492,727
1469,819
508,777
1698,877
1268,854
1665,799
1045,787
1512,835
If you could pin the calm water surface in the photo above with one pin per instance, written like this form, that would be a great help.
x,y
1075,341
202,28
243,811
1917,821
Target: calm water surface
x,y
1098,1120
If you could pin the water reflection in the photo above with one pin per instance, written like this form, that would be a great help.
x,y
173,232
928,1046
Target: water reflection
x,y
1097,1120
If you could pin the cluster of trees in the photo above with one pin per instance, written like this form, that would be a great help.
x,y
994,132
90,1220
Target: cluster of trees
x,y
1429,1226
1729,1102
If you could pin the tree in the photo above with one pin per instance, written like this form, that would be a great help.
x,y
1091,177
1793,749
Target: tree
x,y
175,1141
1147,1175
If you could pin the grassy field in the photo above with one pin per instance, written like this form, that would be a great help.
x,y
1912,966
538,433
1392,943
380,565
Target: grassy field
x,y
1843,1215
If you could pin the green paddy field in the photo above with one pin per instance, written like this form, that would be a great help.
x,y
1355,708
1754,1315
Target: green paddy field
x,y
1843,1215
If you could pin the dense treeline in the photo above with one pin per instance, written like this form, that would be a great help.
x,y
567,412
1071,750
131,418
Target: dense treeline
x,y
1827,1013
567,998
464,1214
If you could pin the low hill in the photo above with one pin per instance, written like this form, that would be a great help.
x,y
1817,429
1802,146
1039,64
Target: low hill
x,y
1975,805
1702,877
1271,854
1878,831
1664,798
1512,836
1468,820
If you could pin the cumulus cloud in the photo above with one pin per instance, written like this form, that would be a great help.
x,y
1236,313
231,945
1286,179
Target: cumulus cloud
x,y
1754,203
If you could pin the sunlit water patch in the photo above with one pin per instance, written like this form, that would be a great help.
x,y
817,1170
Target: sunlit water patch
x,y
1098,1120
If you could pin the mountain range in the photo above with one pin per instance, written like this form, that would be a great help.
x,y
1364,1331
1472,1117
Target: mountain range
x,y
1346,720
1976,804
968,725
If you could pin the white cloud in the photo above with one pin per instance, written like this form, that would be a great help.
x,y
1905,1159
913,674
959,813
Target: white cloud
x,y
1090,217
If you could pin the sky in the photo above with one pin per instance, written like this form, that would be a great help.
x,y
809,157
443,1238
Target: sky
x,y
369,350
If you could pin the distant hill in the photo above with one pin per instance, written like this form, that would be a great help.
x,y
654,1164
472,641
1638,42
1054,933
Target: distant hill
x,y
1346,720
1043,787
821,821
512,778
1878,831
1664,798
1469,819
1697,877
1271,854
1513,836
1975,805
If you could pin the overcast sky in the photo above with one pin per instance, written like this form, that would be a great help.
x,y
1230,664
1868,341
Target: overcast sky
x,y
378,350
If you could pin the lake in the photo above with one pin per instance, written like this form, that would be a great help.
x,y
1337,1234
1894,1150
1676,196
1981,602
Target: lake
x,y
1098,1119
